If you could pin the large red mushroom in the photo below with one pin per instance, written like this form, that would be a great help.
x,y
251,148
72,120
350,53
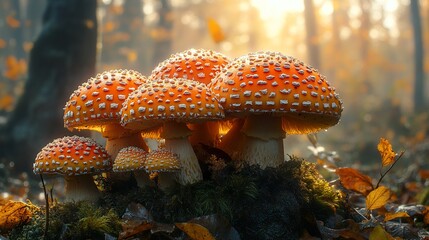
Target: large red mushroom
x,y
276,94
95,105
167,105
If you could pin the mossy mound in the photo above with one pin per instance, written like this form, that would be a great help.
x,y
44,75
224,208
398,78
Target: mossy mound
x,y
274,203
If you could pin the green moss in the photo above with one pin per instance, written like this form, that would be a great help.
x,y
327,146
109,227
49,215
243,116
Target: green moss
x,y
274,203
74,220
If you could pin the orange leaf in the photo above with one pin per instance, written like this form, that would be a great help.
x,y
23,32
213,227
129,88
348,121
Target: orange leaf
x,y
6,102
195,231
390,216
14,67
378,233
426,218
377,198
424,174
2,43
353,180
109,26
215,30
12,21
13,214
386,152
89,23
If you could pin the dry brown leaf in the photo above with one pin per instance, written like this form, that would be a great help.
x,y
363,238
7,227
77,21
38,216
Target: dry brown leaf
x,y
354,180
391,216
386,152
132,228
377,198
13,214
215,30
195,231
378,233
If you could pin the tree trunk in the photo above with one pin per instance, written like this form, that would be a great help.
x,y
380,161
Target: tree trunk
x,y
419,98
311,30
63,56
163,45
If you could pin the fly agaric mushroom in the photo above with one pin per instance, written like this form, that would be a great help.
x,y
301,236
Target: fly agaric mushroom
x,y
77,158
163,163
170,103
199,65
132,159
276,94
95,105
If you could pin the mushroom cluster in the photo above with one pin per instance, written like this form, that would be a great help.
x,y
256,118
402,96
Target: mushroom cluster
x,y
264,95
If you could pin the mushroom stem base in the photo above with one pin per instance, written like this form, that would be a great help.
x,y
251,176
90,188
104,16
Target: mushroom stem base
x,y
81,187
265,153
190,171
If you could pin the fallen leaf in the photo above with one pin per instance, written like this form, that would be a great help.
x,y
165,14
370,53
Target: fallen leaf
x,y
215,30
391,216
195,231
130,230
378,233
424,174
386,152
13,214
377,198
354,180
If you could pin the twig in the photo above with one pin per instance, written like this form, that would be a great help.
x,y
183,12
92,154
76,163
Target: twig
x,y
391,166
45,235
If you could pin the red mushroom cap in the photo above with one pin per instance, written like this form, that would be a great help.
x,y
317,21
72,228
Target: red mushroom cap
x,y
278,85
72,156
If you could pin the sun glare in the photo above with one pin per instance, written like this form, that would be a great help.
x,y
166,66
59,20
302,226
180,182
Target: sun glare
x,y
272,12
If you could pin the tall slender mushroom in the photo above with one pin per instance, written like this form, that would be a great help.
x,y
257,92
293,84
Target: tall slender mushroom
x,y
276,94
199,65
170,103
77,158
95,105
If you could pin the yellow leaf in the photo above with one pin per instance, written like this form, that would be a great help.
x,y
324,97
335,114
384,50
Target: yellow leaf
x,y
215,30
13,214
390,216
378,233
195,231
386,152
377,198
353,180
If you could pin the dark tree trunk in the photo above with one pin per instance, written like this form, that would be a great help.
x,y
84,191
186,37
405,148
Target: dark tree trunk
x,y
63,56
163,46
419,98
311,30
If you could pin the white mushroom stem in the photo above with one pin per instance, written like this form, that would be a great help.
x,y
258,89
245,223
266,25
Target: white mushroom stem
x,y
263,141
81,187
176,141
118,137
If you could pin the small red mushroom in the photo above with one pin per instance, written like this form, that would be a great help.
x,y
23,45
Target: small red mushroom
x,y
77,158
